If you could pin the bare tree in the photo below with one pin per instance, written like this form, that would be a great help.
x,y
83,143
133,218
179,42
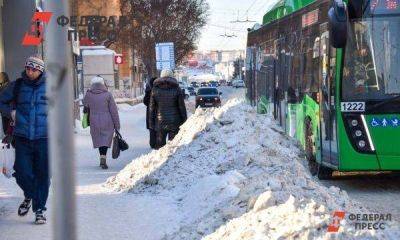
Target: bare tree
x,y
154,21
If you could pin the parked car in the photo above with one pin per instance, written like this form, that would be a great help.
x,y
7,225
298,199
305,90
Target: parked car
x,y
213,84
208,97
194,84
191,90
203,84
238,83
228,83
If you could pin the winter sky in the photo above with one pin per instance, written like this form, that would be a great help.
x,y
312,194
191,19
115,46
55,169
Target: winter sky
x,y
222,12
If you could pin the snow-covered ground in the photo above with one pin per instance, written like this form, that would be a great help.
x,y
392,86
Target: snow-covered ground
x,y
228,174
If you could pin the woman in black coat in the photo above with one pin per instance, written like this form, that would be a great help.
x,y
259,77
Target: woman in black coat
x,y
167,108
146,101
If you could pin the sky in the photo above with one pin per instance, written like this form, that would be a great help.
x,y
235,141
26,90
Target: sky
x,y
222,12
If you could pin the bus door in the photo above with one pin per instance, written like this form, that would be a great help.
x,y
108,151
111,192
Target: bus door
x,y
276,83
327,101
281,73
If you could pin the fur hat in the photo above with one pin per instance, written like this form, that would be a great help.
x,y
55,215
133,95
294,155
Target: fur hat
x,y
97,80
35,63
166,73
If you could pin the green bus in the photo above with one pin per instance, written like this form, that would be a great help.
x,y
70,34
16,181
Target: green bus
x,y
327,71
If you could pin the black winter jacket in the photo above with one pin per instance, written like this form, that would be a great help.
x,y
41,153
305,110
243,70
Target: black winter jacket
x,y
167,105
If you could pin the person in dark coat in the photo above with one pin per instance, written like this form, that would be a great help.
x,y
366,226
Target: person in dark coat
x,y
24,101
146,101
167,108
104,117
4,81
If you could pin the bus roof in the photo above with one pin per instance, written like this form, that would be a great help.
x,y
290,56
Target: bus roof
x,y
283,8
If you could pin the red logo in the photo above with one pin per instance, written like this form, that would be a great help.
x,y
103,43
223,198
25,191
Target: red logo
x,y
119,60
338,216
35,37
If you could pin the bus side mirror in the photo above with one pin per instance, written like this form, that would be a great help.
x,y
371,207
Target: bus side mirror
x,y
338,18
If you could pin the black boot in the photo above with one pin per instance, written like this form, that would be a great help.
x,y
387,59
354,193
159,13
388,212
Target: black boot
x,y
103,162
24,207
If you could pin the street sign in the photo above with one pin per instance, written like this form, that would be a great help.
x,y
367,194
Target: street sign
x,y
165,56
118,59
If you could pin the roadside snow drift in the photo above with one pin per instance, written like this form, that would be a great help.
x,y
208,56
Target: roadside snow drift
x,y
234,175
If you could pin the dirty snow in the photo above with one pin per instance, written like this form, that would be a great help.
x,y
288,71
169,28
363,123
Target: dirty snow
x,y
234,175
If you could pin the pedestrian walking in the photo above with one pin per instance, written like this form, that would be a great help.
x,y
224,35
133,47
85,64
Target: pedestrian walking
x,y
104,117
4,81
167,108
24,101
146,101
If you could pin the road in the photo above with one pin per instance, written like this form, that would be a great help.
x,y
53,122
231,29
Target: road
x,y
378,192
227,93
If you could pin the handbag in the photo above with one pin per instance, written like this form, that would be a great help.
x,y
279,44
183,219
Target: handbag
x,y
7,156
119,144
85,118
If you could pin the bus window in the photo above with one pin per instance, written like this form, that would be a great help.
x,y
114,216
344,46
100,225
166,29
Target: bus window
x,y
371,71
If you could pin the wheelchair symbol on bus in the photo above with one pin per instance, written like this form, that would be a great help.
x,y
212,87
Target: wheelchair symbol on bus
x,y
375,122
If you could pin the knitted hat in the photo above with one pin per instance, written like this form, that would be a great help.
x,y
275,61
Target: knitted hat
x,y
35,63
97,80
167,73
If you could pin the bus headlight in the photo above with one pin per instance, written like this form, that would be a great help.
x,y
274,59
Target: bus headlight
x,y
362,144
358,134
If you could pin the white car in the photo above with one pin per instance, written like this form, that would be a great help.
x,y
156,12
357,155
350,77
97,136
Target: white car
x,y
238,83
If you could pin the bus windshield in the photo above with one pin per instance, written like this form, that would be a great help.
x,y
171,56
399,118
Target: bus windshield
x,y
372,59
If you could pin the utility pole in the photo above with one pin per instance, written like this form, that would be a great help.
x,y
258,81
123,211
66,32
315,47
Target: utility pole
x,y
60,122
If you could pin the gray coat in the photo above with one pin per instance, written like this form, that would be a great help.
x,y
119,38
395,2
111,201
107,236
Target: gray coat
x,y
104,118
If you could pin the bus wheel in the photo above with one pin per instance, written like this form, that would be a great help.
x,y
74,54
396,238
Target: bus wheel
x,y
312,163
324,173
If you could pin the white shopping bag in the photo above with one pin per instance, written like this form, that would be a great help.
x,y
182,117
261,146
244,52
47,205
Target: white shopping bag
x,y
7,156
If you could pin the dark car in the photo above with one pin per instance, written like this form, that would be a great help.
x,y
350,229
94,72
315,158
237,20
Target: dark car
x,y
194,84
213,84
208,97
203,84
191,90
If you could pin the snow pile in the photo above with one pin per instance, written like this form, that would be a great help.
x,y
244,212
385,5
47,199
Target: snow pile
x,y
235,175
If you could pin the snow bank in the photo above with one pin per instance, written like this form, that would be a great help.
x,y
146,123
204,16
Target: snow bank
x,y
235,175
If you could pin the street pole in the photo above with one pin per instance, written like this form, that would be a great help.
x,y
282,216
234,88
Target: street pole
x,y
60,120
133,71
